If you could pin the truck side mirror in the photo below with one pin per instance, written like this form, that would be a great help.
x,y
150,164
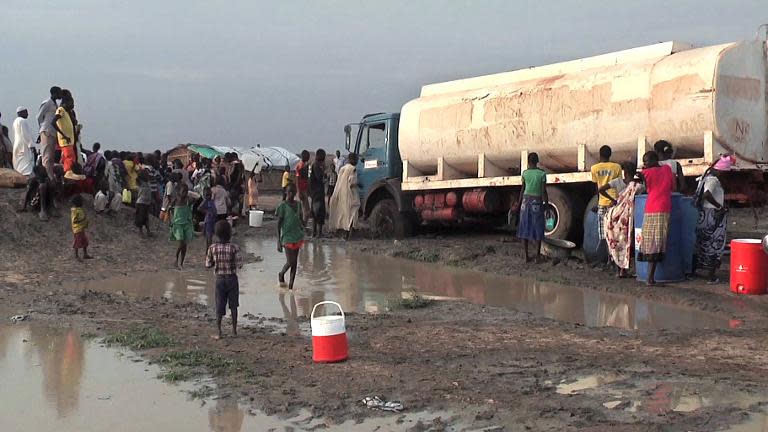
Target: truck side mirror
x,y
347,137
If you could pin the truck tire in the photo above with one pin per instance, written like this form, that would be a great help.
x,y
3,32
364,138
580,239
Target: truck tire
x,y
386,221
560,208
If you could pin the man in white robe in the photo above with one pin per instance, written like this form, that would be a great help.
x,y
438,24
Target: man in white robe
x,y
345,201
23,140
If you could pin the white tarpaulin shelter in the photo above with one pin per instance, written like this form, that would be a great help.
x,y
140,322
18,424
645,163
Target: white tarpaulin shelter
x,y
250,157
278,158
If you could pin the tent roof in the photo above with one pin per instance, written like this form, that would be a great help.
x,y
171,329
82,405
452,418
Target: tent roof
x,y
265,157
204,150
278,157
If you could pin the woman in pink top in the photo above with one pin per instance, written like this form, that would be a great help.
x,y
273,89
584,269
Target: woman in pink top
x,y
659,183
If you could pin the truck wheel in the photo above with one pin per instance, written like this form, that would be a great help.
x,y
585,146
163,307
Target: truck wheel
x,y
388,222
560,209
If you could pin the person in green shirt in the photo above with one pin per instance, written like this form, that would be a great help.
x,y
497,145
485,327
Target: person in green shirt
x,y
290,233
182,230
533,199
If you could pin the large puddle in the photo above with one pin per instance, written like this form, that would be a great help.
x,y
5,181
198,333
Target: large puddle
x,y
368,283
54,380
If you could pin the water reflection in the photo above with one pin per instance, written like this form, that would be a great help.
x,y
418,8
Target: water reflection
x,y
366,283
92,388
290,314
62,358
226,416
53,380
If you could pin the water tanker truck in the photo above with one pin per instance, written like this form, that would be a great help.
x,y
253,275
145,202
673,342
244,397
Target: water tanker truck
x,y
455,154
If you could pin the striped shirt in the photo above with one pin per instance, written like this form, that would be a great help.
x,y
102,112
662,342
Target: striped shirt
x,y
225,258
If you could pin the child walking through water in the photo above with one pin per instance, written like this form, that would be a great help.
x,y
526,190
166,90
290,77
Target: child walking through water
x,y
225,258
290,233
79,224
181,222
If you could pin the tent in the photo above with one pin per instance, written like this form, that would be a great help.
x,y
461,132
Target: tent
x,y
270,158
205,151
277,158
250,157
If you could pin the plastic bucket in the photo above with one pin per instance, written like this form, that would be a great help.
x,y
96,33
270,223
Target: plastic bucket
x,y
749,267
329,336
255,218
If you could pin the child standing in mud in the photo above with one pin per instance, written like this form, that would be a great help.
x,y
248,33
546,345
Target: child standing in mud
x,y
290,233
143,203
225,258
181,222
79,224
208,208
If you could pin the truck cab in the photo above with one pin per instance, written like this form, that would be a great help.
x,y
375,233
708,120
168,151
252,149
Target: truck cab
x,y
379,174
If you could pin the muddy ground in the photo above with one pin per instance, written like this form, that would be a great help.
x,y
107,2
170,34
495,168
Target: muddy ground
x,y
493,367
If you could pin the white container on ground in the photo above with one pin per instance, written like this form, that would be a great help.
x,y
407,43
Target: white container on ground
x,y
255,218
329,336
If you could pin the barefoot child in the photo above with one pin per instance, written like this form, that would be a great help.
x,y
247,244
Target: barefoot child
x,y
290,233
143,202
225,258
79,224
181,222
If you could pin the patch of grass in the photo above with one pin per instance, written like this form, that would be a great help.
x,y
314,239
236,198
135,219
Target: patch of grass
x,y
175,375
88,335
182,365
139,338
430,255
203,392
423,255
412,301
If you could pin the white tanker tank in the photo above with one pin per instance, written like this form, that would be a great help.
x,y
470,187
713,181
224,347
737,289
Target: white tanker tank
x,y
567,111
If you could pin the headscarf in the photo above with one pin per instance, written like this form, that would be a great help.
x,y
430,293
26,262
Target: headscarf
x,y
725,163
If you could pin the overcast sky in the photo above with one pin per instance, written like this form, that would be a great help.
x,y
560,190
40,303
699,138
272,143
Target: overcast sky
x,y
150,74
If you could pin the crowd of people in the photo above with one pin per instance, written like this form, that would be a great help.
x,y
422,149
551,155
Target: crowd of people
x,y
207,193
617,186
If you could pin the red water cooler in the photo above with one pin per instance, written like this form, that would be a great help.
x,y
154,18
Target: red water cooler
x,y
749,267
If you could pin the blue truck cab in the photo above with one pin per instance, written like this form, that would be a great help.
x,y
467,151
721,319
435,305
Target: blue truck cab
x,y
379,172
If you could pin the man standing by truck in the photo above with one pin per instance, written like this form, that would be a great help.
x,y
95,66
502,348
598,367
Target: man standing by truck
x,y
317,193
533,199
602,174
345,201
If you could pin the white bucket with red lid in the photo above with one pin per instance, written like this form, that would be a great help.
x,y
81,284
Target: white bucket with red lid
x,y
329,336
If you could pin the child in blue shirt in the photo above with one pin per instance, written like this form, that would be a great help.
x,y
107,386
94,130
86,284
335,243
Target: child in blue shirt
x,y
208,207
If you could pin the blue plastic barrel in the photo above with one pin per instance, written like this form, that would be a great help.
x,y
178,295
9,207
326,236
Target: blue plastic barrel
x,y
595,251
681,240
690,218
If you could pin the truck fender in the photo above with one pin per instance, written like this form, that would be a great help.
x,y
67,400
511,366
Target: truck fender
x,y
386,188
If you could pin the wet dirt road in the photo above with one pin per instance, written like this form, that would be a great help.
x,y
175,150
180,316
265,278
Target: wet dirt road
x,y
503,367
368,283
